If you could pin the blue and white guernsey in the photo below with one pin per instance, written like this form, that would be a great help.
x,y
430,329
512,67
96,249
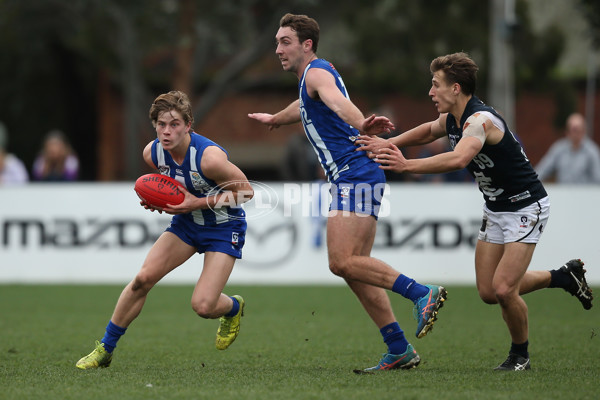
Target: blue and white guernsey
x,y
190,175
331,137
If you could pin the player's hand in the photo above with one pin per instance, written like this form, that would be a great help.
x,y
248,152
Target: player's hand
x,y
371,144
391,159
267,119
188,204
375,125
150,207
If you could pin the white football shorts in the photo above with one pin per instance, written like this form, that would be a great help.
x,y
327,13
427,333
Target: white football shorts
x,y
525,225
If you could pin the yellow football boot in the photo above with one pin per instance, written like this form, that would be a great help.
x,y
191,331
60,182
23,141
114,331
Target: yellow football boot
x,y
99,358
229,327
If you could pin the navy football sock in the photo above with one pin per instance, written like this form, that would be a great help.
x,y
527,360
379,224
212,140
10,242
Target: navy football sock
x,y
112,335
409,288
520,349
393,336
234,309
559,279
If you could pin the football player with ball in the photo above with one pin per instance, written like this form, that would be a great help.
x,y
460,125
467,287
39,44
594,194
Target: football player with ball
x,y
207,220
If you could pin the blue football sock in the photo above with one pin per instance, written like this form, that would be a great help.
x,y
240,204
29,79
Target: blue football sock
x,y
409,288
393,336
235,309
112,335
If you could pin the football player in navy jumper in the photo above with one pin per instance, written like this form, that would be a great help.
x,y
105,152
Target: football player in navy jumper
x,y
332,123
208,221
516,206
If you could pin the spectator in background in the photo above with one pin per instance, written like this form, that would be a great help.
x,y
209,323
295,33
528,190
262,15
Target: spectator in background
x,y
573,159
57,161
12,169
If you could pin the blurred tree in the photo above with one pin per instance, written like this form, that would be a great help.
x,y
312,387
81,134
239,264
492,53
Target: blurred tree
x,y
591,11
45,78
536,59
395,40
92,67
124,52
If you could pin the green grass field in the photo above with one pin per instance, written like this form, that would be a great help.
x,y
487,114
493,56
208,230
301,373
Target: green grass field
x,y
295,343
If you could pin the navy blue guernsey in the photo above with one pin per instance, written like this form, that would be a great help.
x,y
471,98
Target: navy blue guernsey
x,y
502,171
189,173
331,137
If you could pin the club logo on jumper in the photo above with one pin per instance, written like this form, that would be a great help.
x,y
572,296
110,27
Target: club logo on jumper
x,y
453,140
164,170
234,237
345,192
199,183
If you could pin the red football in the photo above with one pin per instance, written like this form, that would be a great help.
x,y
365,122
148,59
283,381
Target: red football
x,y
159,190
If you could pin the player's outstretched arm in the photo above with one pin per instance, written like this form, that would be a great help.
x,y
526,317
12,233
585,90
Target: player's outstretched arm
x,y
422,134
372,144
393,160
287,116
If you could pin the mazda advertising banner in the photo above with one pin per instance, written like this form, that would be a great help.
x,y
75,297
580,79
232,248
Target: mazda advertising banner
x,y
98,233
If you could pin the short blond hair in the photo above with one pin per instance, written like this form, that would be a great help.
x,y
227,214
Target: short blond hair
x,y
173,100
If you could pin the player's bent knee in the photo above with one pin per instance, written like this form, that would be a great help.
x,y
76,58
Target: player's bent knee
x,y
204,309
142,282
488,299
504,295
339,268
488,296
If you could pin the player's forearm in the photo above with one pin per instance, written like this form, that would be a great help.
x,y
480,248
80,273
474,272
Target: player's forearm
x,y
350,114
289,115
416,136
440,163
232,196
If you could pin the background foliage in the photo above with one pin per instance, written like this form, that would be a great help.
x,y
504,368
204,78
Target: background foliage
x,y
57,54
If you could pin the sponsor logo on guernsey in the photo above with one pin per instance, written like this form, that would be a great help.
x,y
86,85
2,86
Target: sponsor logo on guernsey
x,y
520,196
